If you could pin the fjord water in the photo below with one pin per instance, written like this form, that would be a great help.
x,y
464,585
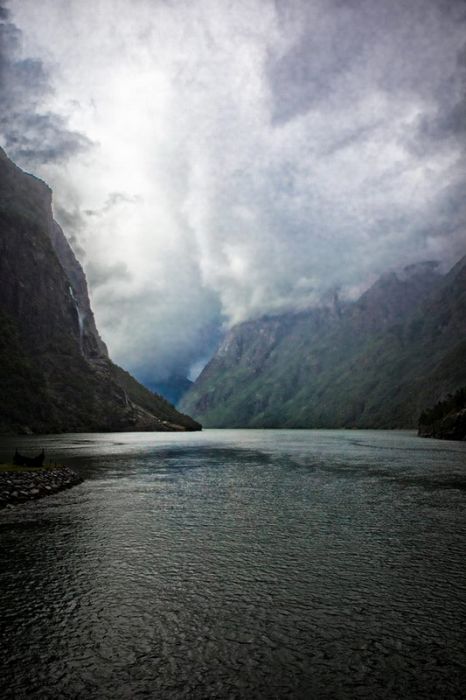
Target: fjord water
x,y
239,564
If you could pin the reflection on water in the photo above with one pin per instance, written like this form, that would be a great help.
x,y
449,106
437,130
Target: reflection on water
x,y
239,564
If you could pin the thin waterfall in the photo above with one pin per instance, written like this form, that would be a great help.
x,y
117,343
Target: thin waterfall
x,y
81,316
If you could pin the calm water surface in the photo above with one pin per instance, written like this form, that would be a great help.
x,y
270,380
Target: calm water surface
x,y
239,564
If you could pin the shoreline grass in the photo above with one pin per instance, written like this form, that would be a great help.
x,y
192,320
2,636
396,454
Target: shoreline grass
x,y
4,467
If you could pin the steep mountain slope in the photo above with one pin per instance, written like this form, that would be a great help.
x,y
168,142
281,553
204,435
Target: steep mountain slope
x,y
173,388
55,373
374,363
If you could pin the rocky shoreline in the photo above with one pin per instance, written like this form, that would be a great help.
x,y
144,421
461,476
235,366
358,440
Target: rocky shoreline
x,y
22,486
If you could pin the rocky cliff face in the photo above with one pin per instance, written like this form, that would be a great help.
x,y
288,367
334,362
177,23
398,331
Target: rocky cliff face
x,y
91,343
374,363
55,374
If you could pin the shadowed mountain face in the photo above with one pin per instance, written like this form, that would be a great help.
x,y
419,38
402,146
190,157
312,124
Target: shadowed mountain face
x,y
173,388
55,373
447,419
373,363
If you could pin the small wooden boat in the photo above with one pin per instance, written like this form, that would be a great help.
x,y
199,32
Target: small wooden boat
x,y
21,461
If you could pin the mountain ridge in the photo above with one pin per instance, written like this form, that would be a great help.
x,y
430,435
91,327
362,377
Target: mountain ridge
x,y
376,362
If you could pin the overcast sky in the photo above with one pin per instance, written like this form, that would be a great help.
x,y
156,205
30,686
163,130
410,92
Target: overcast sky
x,y
215,160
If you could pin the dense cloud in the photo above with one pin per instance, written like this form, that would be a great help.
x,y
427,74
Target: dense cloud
x,y
29,132
248,157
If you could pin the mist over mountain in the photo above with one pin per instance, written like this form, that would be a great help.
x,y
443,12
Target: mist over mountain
x,y
215,162
173,389
55,373
373,363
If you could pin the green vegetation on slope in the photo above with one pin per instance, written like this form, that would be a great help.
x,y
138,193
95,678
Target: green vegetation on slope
x,y
151,402
372,364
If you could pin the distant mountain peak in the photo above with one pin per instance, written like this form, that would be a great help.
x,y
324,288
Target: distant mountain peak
x,y
427,267
398,348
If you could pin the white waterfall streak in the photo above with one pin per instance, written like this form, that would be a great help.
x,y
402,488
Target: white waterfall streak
x,y
81,317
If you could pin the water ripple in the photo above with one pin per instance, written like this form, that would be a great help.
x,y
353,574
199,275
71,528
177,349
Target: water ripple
x,y
237,564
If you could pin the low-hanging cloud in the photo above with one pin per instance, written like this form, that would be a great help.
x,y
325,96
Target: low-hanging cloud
x,y
247,157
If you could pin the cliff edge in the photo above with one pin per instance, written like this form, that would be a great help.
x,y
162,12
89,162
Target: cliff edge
x,y
55,373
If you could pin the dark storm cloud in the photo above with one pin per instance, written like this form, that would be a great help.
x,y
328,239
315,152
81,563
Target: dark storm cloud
x,y
306,74
40,138
445,125
31,135
370,77
346,48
